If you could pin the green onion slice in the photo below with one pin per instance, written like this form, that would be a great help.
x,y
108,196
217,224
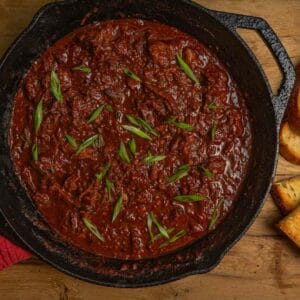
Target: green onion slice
x,y
72,141
38,116
180,173
132,146
189,198
181,125
137,132
174,238
186,68
93,229
131,75
160,228
206,172
215,215
96,113
123,153
117,208
109,187
35,152
55,87
103,172
151,159
214,130
83,69
139,122
87,143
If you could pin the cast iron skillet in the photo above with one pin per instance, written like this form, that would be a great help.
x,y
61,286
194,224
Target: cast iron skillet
x,y
218,31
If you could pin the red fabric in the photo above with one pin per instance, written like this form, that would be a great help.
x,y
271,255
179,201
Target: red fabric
x,y
10,253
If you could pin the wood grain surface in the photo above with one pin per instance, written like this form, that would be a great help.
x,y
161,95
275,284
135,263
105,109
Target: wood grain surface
x,y
263,265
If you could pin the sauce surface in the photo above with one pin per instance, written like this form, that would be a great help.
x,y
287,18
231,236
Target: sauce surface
x,y
105,72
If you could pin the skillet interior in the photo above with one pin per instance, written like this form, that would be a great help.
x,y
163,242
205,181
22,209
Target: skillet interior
x,y
52,23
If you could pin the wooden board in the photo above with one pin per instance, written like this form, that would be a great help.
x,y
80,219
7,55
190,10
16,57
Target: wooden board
x,y
263,265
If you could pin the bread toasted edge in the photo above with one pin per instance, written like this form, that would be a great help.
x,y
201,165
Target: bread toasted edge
x,y
287,148
290,226
293,113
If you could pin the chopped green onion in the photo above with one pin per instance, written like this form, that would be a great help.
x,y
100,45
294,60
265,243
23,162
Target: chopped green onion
x,y
87,143
38,116
169,230
109,108
186,68
83,69
180,173
174,238
206,172
35,152
96,113
103,172
93,229
123,153
133,120
132,146
212,106
147,126
137,131
109,187
131,75
214,130
71,140
151,159
149,226
141,123
117,208
55,87
181,125
215,215
189,198
160,228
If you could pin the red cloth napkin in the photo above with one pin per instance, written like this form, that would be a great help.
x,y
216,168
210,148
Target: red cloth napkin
x,y
10,253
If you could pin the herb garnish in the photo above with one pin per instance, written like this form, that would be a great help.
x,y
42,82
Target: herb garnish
x,y
132,146
186,68
181,125
131,75
189,198
214,130
174,238
123,153
103,172
180,173
152,219
38,116
35,152
109,187
71,140
206,172
55,87
93,229
169,230
83,69
151,159
137,131
215,215
96,113
141,123
212,106
117,208
87,143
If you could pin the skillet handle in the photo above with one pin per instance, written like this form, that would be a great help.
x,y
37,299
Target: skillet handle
x,y
234,21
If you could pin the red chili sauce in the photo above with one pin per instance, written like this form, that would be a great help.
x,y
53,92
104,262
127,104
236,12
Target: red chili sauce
x,y
188,167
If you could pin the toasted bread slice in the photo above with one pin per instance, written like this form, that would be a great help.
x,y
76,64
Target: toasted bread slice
x,y
290,225
289,144
294,111
287,194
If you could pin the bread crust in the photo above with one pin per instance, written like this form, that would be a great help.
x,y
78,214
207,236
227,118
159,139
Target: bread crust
x,y
290,226
289,144
286,194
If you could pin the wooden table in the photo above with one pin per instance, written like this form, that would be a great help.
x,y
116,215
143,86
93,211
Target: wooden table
x,y
263,265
